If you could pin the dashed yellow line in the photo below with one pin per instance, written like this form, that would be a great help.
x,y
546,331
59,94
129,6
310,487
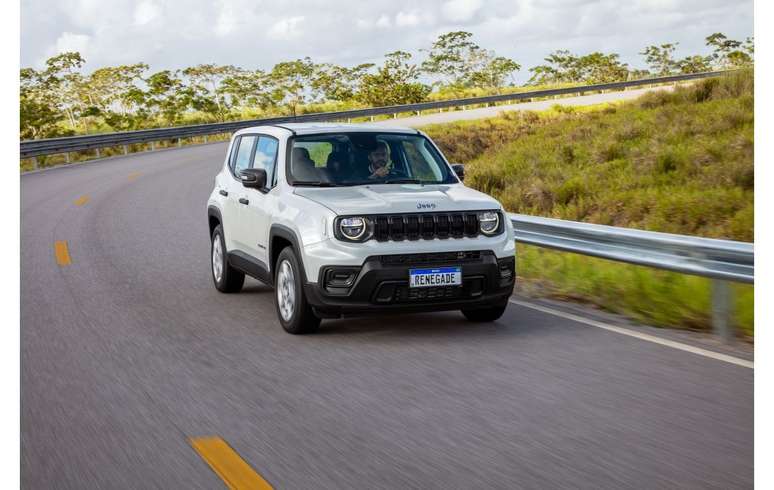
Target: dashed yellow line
x,y
133,175
61,253
227,464
81,200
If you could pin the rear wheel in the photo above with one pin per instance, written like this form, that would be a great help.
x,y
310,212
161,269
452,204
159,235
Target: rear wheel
x,y
226,278
295,314
486,314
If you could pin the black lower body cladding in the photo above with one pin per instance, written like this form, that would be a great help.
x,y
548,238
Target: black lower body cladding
x,y
382,284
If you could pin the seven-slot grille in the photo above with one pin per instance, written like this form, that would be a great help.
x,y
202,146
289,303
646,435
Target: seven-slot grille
x,y
426,226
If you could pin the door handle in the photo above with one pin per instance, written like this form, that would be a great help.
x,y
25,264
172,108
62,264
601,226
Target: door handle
x,y
223,193
242,200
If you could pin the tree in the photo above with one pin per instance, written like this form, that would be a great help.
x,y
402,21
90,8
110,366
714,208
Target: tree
x,y
395,82
694,64
290,81
166,96
63,77
334,82
565,67
729,53
112,93
206,95
463,63
248,88
39,108
661,59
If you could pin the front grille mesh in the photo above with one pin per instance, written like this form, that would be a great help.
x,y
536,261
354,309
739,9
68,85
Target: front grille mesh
x,y
425,226
432,258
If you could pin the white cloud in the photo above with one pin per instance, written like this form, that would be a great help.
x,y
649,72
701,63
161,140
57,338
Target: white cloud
x,y
145,12
69,41
169,34
461,10
407,19
383,21
286,29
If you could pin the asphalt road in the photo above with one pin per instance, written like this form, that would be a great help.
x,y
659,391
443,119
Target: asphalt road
x,y
128,351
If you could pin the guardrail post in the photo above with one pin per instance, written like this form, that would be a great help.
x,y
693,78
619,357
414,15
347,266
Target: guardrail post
x,y
722,307
126,150
35,163
372,118
153,145
205,139
96,150
179,142
67,157
395,115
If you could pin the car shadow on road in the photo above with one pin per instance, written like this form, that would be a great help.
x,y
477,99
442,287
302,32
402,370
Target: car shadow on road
x,y
427,325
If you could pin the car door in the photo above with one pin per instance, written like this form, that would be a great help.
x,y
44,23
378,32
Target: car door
x,y
260,202
242,156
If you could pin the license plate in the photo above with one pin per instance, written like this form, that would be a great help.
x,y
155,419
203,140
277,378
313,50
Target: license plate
x,y
441,276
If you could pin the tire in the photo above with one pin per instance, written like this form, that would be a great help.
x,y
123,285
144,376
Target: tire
x,y
293,311
486,314
226,278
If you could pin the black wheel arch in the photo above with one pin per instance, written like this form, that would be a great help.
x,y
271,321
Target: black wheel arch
x,y
279,237
214,218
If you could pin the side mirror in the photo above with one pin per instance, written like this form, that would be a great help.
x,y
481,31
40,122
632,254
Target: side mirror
x,y
253,178
459,170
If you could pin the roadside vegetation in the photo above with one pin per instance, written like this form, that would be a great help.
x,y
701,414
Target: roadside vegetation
x,y
673,161
65,97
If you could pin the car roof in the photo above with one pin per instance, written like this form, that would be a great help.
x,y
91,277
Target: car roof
x,y
318,128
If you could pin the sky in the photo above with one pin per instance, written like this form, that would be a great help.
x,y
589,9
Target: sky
x,y
171,34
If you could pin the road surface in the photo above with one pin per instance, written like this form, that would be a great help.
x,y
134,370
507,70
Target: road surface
x,y
128,352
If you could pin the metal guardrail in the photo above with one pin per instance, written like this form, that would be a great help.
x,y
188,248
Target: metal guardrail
x,y
51,146
720,260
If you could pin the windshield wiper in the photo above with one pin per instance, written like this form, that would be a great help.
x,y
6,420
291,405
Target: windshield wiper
x,y
315,183
400,181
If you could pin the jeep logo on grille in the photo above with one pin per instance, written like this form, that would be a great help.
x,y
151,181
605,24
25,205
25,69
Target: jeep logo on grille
x,y
425,205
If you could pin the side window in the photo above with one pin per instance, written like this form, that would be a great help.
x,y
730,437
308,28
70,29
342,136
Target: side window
x,y
242,155
318,151
266,157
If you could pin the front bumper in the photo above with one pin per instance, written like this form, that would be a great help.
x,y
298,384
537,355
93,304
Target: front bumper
x,y
381,284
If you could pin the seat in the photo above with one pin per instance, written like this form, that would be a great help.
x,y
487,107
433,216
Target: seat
x,y
302,166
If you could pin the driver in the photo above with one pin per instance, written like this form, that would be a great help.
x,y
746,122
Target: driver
x,y
380,165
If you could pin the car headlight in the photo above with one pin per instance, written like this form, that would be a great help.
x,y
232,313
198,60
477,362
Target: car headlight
x,y
353,229
489,222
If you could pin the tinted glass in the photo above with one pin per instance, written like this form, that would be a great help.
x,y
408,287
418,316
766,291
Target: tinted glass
x,y
242,157
266,157
366,158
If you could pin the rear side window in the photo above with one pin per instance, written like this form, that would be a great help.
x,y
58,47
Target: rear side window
x,y
266,157
243,152
318,151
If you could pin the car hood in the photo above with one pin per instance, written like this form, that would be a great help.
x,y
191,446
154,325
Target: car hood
x,y
398,198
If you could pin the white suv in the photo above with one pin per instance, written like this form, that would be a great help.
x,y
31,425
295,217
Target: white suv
x,y
353,219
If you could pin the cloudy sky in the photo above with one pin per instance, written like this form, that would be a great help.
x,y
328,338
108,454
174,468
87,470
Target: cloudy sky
x,y
258,33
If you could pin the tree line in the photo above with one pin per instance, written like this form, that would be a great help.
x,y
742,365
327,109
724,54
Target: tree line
x,y
60,99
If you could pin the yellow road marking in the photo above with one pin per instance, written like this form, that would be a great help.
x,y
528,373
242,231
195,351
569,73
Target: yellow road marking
x,y
227,464
61,253
81,200
133,175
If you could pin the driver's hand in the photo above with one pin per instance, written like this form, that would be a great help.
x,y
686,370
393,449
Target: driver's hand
x,y
379,172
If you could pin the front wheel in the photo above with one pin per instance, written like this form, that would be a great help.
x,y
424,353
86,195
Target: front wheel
x,y
295,314
486,314
226,278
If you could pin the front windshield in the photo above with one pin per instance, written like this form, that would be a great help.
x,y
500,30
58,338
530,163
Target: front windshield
x,y
343,159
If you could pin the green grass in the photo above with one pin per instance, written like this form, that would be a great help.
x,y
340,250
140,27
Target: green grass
x,y
678,162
